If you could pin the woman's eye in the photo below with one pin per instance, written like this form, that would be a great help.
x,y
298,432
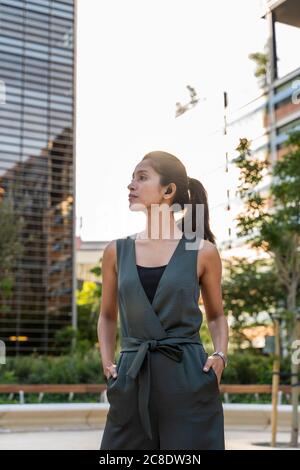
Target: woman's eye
x,y
141,177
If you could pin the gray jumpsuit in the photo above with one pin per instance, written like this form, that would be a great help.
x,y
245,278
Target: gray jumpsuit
x,y
161,397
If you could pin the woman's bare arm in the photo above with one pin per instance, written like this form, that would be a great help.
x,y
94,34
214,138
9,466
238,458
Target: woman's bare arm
x,y
107,322
211,292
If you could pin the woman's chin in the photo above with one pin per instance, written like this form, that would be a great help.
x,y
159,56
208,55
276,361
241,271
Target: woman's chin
x,y
136,206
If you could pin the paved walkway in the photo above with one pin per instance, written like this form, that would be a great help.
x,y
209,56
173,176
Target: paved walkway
x,y
236,438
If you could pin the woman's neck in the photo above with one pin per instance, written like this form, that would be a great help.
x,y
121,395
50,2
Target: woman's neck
x,y
170,232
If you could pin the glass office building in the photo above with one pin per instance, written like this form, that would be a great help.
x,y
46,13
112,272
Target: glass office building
x,y
36,174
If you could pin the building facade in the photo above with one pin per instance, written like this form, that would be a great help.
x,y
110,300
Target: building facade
x,y
266,120
37,168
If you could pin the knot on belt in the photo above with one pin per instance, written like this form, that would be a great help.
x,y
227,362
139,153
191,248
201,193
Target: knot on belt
x,y
153,344
140,366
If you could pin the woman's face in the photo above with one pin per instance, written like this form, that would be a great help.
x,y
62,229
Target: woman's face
x,y
145,187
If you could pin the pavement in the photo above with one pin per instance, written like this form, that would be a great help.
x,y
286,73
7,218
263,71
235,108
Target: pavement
x,y
237,438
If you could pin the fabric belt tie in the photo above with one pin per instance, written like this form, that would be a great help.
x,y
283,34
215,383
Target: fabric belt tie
x,y
169,346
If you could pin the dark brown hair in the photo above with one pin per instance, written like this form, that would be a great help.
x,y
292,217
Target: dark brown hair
x,y
188,190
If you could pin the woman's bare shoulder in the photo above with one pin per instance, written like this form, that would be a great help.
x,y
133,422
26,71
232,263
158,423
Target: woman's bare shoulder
x,y
110,254
208,258
208,246
208,251
110,248
110,251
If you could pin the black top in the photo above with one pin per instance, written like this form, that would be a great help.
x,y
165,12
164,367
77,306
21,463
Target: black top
x,y
150,277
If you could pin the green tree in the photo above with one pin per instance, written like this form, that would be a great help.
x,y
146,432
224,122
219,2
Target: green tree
x,y
88,305
271,222
261,61
84,338
251,294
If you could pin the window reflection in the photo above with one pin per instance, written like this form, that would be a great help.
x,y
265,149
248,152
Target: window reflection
x,y
36,167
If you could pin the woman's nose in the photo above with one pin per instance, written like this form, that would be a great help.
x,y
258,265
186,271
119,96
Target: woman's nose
x,y
130,186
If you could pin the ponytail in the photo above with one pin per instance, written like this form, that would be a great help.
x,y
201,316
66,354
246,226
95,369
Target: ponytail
x,y
188,191
198,195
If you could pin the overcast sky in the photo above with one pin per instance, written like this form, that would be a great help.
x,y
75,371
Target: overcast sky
x,y
135,58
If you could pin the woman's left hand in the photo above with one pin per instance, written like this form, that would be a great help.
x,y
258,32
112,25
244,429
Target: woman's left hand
x,y
216,362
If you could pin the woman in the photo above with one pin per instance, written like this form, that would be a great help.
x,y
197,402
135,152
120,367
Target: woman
x,y
164,390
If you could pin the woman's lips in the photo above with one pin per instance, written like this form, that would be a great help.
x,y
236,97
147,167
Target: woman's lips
x,y
132,197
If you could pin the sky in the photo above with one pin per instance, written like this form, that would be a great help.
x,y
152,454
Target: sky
x,y
134,61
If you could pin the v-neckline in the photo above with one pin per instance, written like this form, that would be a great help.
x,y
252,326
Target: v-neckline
x,y
163,274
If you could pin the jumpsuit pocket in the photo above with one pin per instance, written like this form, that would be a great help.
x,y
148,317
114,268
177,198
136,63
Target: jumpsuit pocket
x,y
211,373
215,377
112,379
199,384
119,394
